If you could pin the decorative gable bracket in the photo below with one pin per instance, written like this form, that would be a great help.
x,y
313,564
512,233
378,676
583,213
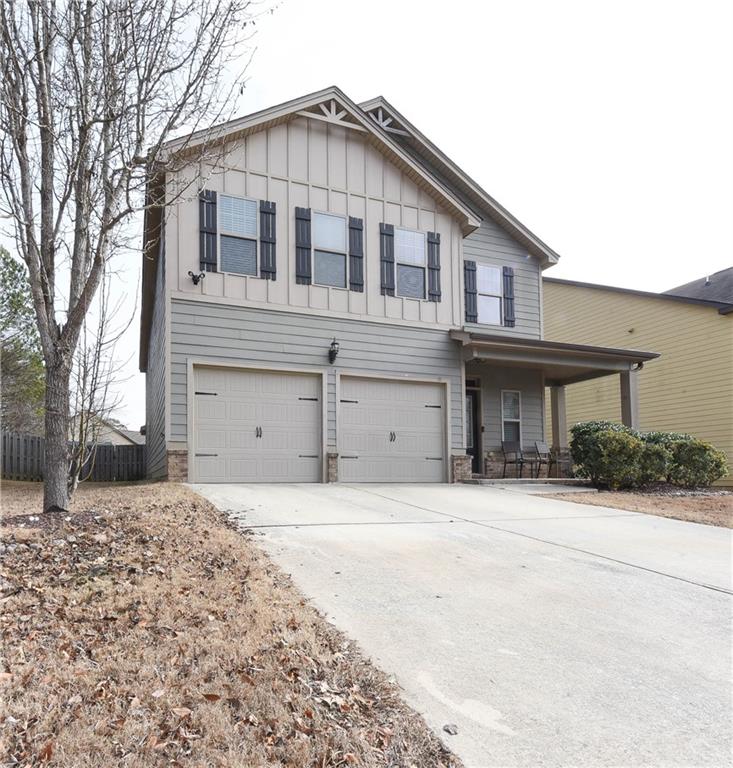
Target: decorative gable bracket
x,y
333,113
386,122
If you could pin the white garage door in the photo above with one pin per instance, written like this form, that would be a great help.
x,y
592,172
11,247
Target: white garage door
x,y
391,431
256,426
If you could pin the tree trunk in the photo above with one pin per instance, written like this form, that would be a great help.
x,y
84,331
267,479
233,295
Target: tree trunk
x,y
56,471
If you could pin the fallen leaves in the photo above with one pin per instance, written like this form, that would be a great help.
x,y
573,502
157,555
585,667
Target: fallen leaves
x,y
146,630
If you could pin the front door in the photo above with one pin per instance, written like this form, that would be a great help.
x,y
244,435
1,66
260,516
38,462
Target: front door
x,y
473,429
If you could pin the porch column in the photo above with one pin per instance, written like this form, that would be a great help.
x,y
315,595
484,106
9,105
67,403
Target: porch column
x,y
559,417
630,398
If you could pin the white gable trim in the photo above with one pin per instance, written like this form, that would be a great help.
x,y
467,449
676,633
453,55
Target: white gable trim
x,y
334,107
382,112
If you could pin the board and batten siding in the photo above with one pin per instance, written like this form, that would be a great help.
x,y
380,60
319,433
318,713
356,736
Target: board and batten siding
x,y
201,331
688,389
155,380
494,379
489,244
307,163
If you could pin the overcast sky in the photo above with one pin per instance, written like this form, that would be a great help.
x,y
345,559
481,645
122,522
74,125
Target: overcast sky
x,y
605,127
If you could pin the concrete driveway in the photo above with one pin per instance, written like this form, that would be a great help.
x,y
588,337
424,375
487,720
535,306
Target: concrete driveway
x,y
550,633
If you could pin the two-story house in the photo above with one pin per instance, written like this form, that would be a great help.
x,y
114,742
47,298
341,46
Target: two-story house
x,y
330,298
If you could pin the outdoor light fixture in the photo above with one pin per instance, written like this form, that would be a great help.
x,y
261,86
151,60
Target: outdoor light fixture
x,y
196,278
333,351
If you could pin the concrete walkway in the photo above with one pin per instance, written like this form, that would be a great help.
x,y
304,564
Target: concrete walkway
x,y
550,633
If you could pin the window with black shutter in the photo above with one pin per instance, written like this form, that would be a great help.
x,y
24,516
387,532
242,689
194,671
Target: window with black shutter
x,y
231,230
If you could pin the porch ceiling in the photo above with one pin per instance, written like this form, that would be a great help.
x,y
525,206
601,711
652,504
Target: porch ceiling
x,y
561,363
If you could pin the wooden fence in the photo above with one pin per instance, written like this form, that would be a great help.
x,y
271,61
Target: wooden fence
x,y
22,459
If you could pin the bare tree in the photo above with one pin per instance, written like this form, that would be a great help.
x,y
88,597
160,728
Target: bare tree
x,y
95,370
91,92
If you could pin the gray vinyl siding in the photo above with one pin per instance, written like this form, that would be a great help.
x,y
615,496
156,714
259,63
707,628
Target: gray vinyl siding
x,y
155,382
494,379
231,334
491,245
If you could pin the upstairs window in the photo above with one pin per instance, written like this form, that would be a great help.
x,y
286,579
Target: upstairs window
x,y
489,295
237,235
329,250
409,254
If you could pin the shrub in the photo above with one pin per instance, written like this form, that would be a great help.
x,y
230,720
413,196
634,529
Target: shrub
x,y
616,456
617,459
654,462
584,448
667,439
695,463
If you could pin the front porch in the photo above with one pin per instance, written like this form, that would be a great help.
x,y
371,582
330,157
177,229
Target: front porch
x,y
505,384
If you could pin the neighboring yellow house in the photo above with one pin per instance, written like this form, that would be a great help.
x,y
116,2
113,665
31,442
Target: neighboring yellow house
x,y
689,388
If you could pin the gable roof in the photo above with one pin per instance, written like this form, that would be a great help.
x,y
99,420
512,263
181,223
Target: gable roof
x,y
403,145
715,287
346,113
723,308
441,166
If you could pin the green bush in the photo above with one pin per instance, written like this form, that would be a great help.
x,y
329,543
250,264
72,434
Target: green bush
x,y
667,439
584,448
654,462
614,455
617,459
694,463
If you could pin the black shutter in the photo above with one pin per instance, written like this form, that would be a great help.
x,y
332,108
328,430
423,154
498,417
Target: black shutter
x,y
434,266
386,257
508,297
469,279
207,230
303,272
268,264
356,255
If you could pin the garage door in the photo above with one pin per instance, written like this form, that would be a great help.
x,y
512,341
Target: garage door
x,y
391,431
256,426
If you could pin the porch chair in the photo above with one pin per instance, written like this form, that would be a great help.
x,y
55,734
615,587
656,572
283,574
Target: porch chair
x,y
512,451
543,456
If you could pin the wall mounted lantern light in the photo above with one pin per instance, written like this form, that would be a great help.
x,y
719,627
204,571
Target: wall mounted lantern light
x,y
333,351
196,278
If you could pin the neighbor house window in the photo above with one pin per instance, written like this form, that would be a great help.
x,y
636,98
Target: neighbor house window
x,y
329,250
488,294
409,254
511,416
237,235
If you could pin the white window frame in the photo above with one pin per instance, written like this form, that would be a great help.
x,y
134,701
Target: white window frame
x,y
499,296
513,421
345,254
220,232
423,266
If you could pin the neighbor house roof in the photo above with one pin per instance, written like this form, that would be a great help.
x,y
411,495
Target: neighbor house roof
x,y
717,287
723,308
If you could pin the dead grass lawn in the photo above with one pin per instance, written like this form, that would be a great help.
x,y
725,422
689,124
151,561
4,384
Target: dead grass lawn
x,y
703,508
144,631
